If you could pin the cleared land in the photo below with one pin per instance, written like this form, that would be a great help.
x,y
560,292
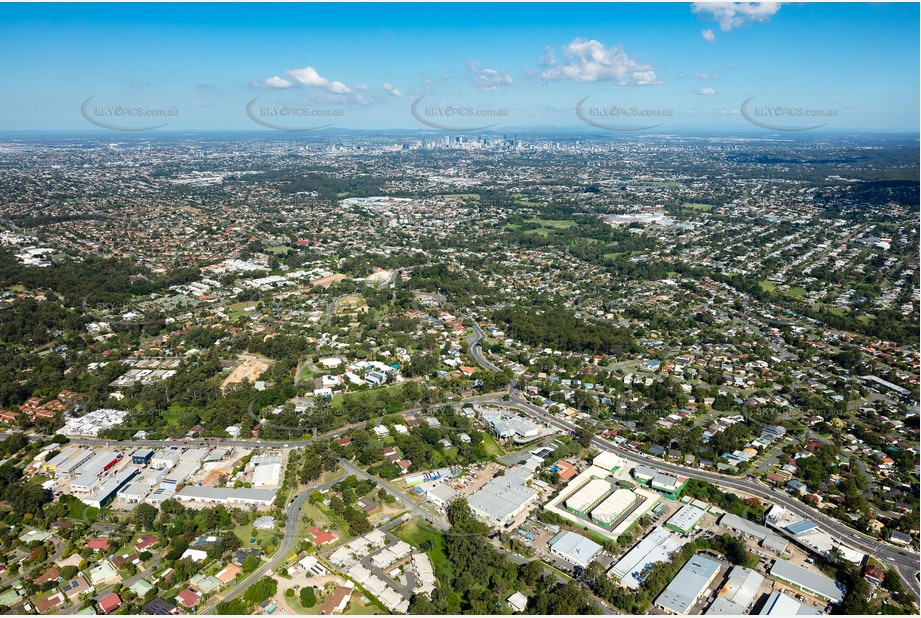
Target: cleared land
x,y
328,281
250,369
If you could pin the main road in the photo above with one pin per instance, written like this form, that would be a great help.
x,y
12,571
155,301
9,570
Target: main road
x,y
905,563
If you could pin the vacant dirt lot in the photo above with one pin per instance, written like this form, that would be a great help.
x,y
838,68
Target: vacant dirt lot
x,y
328,281
250,368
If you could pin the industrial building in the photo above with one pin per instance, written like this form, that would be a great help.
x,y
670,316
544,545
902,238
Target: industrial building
x,y
685,520
508,425
668,483
574,548
89,474
770,541
779,604
588,496
808,581
689,585
180,473
644,474
738,593
613,507
141,457
134,492
52,464
503,498
69,468
657,546
441,495
164,458
267,474
608,461
106,492
226,495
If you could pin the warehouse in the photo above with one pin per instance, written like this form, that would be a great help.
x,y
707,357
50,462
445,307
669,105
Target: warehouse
x,y
159,495
768,539
106,493
738,593
134,493
613,507
226,495
574,548
89,474
685,520
808,581
441,495
607,460
668,483
52,464
68,469
588,496
180,473
644,474
657,546
779,604
141,457
503,498
688,586
164,458
267,474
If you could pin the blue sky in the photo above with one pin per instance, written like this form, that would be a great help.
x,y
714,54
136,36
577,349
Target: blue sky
x,y
690,66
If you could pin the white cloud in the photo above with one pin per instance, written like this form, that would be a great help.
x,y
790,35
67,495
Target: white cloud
x,y
708,35
488,79
705,91
394,90
731,15
274,82
706,76
591,61
308,76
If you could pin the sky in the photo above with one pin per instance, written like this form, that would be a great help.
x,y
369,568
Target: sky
x,y
617,67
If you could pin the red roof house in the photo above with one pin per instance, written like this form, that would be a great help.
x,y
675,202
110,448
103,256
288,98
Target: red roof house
x,y
109,603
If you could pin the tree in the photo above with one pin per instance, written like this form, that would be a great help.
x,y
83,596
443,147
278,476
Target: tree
x,y
308,596
261,590
145,515
586,434
250,563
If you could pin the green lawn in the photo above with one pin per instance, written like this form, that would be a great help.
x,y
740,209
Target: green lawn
x,y
796,292
279,250
768,286
264,538
236,310
371,394
414,534
491,447
698,207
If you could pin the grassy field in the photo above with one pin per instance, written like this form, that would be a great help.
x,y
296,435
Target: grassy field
x,y
663,183
697,207
371,394
796,292
768,286
491,447
279,250
236,310
264,538
546,226
414,534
